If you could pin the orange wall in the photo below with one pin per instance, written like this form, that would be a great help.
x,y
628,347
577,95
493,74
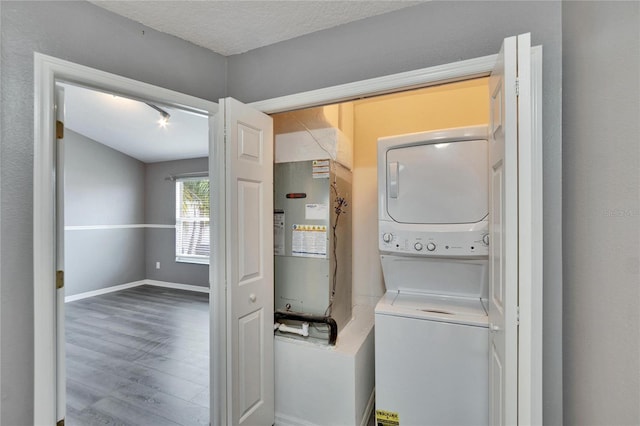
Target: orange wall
x,y
451,105
459,104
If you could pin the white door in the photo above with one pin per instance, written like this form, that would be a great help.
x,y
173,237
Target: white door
x,y
248,139
503,213
61,381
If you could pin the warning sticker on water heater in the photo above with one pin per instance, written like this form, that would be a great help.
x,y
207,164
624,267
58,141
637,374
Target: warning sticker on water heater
x,y
278,233
320,169
309,241
387,418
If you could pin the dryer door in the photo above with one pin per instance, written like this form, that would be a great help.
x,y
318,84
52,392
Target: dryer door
x,y
438,183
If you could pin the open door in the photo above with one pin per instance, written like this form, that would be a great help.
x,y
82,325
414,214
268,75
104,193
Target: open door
x,y
504,139
249,370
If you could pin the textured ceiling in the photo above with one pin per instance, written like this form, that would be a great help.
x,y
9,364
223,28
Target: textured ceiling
x,y
225,27
233,27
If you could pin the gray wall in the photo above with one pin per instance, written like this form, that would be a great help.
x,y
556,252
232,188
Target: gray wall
x,y
431,34
601,205
102,187
106,187
85,34
601,294
160,208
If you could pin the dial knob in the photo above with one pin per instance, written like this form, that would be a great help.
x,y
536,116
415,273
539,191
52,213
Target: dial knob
x,y
431,246
417,246
387,237
485,239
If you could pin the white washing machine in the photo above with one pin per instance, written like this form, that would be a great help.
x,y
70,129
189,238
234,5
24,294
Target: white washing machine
x,y
431,326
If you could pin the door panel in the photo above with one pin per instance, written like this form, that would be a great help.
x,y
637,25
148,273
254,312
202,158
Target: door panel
x,y
249,219
497,276
503,231
251,368
249,235
497,390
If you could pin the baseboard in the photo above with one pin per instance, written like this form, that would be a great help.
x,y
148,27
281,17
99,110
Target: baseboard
x,y
125,286
368,411
103,291
178,286
284,420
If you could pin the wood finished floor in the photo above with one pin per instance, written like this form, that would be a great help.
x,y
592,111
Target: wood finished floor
x,y
138,357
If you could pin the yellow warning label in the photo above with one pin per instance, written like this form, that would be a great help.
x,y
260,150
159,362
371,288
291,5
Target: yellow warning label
x,y
387,418
310,228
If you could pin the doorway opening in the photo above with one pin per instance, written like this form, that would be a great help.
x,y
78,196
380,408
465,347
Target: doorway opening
x,y
134,206
110,214
346,134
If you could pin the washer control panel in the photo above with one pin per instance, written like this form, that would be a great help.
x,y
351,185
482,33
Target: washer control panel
x,y
446,244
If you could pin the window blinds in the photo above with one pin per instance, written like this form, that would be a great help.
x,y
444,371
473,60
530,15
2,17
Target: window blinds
x,y
192,220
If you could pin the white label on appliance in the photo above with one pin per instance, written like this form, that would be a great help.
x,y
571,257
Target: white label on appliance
x,y
278,233
316,212
309,241
320,169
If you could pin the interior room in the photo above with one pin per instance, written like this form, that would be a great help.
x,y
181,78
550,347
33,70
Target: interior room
x,y
589,204
136,253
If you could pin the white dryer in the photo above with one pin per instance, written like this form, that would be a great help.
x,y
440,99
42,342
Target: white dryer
x,y
431,326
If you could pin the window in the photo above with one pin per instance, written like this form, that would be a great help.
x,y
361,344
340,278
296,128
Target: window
x,y
192,220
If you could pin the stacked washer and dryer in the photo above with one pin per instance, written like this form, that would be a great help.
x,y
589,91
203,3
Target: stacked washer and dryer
x,y
431,326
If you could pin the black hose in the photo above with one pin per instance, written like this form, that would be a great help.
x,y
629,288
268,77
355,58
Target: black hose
x,y
321,319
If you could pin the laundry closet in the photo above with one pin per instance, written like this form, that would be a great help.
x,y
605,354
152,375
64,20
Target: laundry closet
x,y
319,381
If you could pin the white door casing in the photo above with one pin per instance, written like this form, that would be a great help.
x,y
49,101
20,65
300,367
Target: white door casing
x,y
248,139
504,231
48,390
60,324
530,233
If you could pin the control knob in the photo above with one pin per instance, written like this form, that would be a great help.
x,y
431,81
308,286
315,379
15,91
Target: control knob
x,y
417,246
485,239
386,237
431,246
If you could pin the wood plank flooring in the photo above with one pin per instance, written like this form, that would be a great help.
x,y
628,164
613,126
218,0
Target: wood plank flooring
x,y
138,357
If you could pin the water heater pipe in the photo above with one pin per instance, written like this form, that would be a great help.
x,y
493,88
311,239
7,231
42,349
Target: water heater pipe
x,y
302,331
297,316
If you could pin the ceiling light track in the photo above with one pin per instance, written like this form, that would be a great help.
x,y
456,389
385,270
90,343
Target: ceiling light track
x,y
165,115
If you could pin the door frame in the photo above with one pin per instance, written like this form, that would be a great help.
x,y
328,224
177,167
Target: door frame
x,y
530,174
48,70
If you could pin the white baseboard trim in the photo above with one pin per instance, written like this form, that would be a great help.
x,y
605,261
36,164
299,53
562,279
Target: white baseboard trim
x,y
125,286
368,411
178,286
284,420
106,290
